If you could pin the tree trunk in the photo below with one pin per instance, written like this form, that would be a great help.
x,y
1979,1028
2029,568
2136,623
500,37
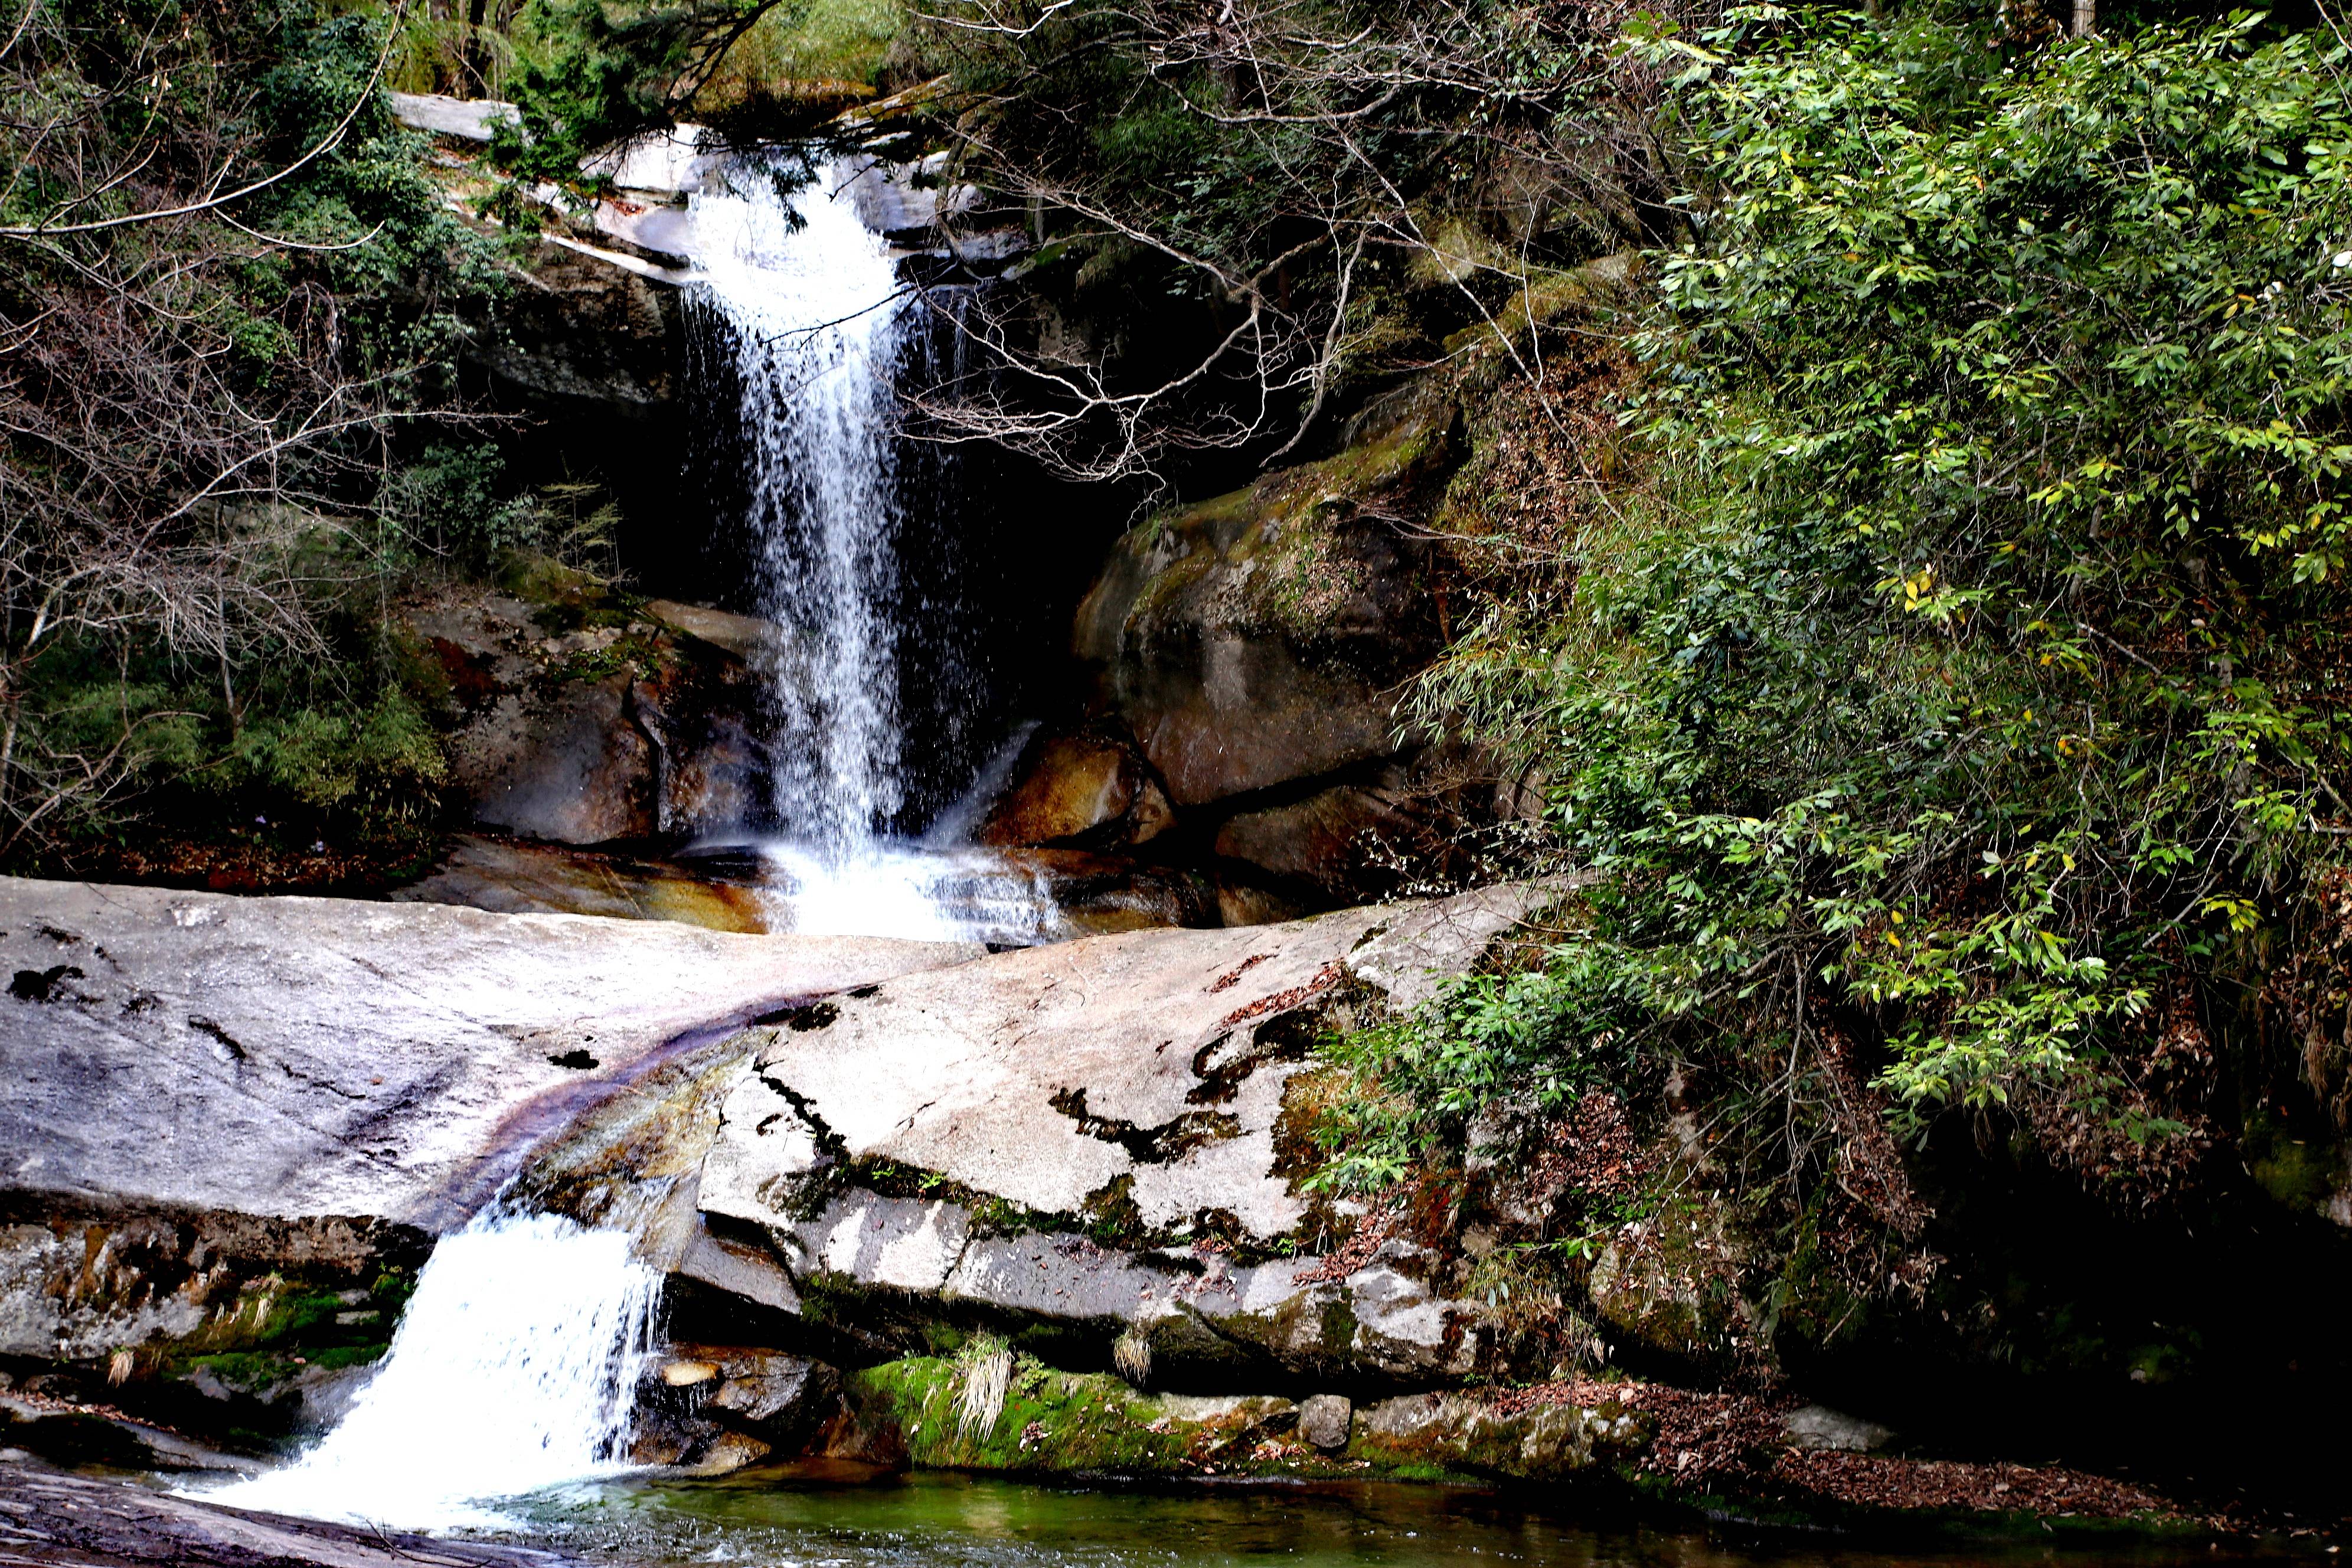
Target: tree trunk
x,y
477,59
2086,18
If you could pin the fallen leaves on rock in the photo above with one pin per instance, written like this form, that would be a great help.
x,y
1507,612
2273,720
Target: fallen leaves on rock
x,y
1738,1440
1324,978
1880,1480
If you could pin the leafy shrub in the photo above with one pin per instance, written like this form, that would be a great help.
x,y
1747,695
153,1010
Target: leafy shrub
x,y
1955,715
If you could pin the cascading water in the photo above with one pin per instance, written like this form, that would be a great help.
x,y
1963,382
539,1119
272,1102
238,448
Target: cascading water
x,y
515,1369
808,302
802,318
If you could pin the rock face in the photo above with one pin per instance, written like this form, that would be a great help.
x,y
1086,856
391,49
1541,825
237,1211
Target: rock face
x,y
583,333
1096,1140
580,722
1264,636
317,1058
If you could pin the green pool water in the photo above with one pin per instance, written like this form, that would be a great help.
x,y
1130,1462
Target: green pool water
x,y
948,1521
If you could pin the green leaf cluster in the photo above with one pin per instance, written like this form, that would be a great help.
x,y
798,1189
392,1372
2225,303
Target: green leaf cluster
x,y
1964,691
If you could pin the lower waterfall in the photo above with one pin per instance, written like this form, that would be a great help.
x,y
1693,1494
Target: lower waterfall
x,y
515,1368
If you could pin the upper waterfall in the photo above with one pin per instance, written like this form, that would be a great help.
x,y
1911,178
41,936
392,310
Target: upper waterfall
x,y
805,301
800,326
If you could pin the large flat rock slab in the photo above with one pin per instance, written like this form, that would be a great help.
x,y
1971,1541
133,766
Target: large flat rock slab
x,y
295,1058
1097,1138
52,1517
1146,1068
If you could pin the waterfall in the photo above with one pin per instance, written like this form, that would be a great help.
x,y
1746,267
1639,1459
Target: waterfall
x,y
515,1368
807,301
798,328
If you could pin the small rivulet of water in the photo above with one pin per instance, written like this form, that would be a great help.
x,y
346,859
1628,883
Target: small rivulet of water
x,y
515,1369
800,313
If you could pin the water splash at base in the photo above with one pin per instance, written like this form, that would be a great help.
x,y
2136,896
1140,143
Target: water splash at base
x,y
922,895
515,1369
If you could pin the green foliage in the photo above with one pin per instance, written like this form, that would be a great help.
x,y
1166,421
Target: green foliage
x,y
273,736
241,277
1965,683
1488,1038
452,499
589,73
378,754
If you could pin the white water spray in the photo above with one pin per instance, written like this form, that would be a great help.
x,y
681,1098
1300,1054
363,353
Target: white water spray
x,y
806,303
515,1369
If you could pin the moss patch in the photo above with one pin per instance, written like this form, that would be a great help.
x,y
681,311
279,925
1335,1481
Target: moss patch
x,y
1081,1423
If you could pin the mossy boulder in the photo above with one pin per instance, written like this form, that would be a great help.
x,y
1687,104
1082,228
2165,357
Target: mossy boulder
x,y
1440,1435
245,1329
1263,637
947,1413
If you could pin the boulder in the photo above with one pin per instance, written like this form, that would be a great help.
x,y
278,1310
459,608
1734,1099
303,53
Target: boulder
x,y
1674,1284
1339,843
713,1409
1089,789
1266,636
1096,1140
576,720
1819,1428
1326,1420
461,119
1094,894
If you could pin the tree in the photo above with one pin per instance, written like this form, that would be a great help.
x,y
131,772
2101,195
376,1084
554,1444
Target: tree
x,y
219,262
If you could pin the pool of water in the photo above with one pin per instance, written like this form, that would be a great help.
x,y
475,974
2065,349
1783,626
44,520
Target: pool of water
x,y
948,1521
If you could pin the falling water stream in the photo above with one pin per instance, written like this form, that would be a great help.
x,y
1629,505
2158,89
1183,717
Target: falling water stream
x,y
514,1369
515,1363
803,306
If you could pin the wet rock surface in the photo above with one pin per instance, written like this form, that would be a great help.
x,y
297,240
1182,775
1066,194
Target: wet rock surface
x,y
1087,788
516,876
50,1516
1057,1422
1080,893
